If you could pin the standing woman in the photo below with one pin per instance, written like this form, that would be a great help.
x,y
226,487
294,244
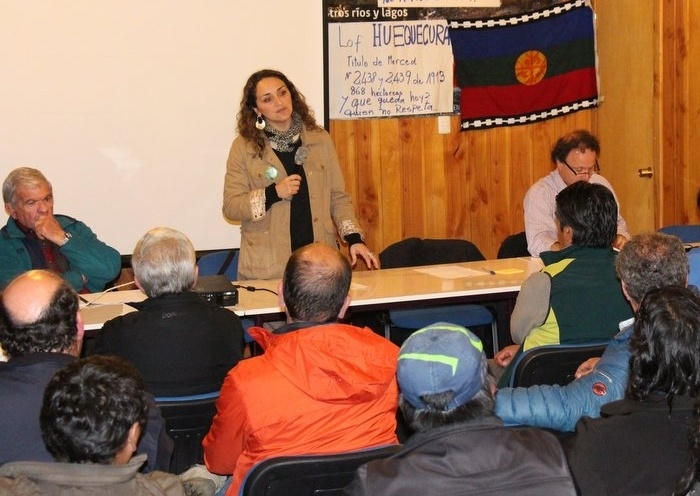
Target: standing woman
x,y
283,181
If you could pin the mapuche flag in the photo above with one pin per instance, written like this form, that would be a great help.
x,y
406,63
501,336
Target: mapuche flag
x,y
517,70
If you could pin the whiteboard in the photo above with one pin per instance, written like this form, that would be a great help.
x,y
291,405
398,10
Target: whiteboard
x,y
128,106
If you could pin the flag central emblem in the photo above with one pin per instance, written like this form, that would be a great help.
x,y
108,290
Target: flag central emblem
x,y
531,67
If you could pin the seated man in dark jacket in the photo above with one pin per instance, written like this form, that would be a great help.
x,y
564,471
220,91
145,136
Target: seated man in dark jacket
x,y
92,415
41,331
460,447
181,344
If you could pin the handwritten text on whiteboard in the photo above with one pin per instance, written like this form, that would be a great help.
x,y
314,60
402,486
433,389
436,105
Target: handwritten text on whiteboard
x,y
388,69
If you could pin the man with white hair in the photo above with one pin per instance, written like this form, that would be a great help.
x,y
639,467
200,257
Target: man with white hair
x,y
35,238
181,344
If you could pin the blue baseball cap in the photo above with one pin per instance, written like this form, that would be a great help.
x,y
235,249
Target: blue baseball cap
x,y
439,358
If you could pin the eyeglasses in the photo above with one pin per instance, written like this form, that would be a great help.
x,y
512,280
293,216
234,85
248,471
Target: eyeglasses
x,y
583,171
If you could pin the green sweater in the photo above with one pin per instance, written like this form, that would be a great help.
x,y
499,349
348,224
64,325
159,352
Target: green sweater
x,y
586,302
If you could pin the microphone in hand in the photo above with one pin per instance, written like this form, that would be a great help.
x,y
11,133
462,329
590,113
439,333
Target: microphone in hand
x,y
300,155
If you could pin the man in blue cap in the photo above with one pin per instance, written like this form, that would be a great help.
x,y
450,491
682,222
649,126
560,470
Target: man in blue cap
x,y
459,447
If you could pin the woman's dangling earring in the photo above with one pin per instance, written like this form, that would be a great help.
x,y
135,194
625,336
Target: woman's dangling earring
x,y
260,122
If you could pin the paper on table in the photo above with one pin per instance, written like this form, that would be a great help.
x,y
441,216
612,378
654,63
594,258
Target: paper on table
x,y
455,271
113,297
98,314
450,271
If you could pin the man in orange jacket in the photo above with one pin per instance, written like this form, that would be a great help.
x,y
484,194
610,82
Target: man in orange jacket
x,y
320,387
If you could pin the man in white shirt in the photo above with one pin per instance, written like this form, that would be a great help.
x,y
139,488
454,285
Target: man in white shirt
x,y
575,157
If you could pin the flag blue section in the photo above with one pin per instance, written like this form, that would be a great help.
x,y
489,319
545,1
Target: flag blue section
x,y
534,34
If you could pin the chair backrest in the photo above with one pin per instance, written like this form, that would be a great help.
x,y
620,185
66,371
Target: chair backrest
x,y
514,246
210,263
552,364
694,263
187,421
412,252
306,475
688,233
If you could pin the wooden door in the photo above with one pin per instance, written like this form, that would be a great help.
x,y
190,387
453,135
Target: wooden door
x,y
627,118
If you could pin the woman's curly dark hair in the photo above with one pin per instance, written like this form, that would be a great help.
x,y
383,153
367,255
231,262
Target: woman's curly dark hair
x,y
247,116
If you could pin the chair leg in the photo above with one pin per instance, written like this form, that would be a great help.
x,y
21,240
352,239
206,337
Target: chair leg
x,y
494,336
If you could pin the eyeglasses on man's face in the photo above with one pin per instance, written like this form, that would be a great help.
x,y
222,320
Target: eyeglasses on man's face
x,y
583,171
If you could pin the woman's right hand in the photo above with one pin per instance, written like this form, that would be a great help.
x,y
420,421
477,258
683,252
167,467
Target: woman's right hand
x,y
288,187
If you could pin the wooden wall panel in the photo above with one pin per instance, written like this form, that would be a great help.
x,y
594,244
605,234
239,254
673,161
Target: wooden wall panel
x,y
680,111
391,188
408,180
674,34
666,91
691,176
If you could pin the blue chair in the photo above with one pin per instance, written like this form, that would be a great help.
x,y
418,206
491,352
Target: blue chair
x,y
694,263
413,252
210,264
689,233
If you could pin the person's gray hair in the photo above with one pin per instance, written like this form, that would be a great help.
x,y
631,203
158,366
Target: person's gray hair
x,y
651,261
21,177
164,262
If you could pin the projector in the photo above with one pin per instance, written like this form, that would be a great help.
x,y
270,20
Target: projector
x,y
217,290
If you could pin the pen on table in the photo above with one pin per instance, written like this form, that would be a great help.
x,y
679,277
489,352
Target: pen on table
x,y
490,271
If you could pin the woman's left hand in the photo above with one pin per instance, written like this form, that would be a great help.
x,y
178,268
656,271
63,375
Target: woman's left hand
x,y
361,250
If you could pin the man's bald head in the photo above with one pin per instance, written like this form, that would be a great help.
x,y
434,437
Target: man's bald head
x,y
38,313
29,294
316,283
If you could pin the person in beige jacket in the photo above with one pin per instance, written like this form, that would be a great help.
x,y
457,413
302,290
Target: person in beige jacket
x,y
283,181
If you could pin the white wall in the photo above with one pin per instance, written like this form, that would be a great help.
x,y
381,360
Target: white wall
x,y
128,106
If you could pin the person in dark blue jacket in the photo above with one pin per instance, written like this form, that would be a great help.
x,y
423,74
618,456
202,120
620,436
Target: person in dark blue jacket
x,y
646,262
41,331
